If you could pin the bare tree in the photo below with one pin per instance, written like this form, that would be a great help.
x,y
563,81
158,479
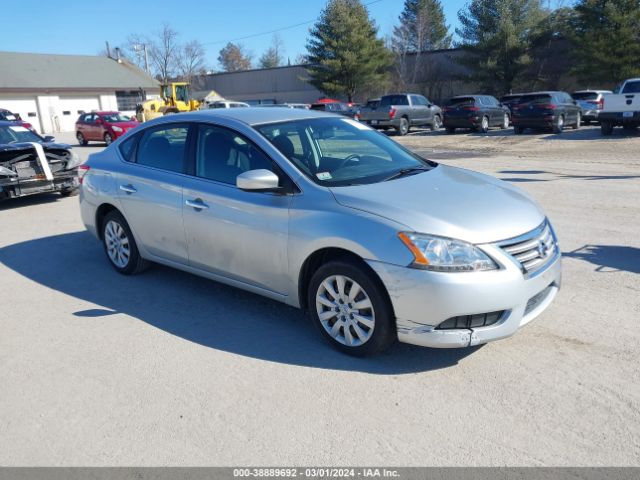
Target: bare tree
x,y
234,57
164,53
274,56
191,60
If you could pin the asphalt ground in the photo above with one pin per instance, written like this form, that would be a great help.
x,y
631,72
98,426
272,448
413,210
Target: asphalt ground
x,y
167,368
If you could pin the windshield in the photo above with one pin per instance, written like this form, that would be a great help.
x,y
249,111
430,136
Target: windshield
x,y
116,117
17,134
339,152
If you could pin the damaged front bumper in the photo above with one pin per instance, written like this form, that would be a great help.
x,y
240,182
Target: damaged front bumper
x,y
30,168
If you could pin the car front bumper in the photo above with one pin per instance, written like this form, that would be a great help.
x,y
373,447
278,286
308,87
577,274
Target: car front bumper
x,y
423,299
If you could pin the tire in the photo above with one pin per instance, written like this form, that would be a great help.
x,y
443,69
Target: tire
x,y
451,130
437,123
578,122
558,127
505,122
81,140
108,139
372,329
606,128
70,192
114,227
484,125
404,127
518,130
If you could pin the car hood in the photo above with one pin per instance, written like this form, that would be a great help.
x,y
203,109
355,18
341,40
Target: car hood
x,y
10,147
449,202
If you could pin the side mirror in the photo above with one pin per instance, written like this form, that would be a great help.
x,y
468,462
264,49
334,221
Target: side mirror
x,y
260,180
49,139
98,121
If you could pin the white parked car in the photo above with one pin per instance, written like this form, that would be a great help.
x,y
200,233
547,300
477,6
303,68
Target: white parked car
x,y
228,104
622,108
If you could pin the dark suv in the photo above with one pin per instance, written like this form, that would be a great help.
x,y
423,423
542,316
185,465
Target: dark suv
x,y
478,112
546,110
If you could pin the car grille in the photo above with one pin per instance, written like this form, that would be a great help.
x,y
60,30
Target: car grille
x,y
534,249
471,321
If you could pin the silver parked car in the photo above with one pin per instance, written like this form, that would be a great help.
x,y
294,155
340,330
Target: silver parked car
x,y
324,213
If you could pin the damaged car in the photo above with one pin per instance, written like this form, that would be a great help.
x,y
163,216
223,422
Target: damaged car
x,y
32,164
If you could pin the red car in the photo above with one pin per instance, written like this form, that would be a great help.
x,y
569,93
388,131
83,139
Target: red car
x,y
103,126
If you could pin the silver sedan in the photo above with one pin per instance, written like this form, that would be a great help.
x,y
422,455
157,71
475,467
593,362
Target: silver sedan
x,y
324,213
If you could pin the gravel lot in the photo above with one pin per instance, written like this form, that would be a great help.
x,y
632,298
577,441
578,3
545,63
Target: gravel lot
x,y
169,369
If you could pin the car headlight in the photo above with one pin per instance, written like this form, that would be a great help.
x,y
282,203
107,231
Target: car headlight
x,y
116,129
445,254
74,161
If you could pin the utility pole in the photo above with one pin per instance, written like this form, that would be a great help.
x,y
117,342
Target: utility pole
x,y
146,56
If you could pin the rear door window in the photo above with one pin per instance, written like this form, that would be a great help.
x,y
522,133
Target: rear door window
x,y
164,147
632,87
462,102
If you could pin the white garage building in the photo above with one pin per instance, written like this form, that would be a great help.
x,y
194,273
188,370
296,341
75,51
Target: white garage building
x,y
51,91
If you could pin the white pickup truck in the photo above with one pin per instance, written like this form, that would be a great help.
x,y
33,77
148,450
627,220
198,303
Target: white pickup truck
x,y
621,108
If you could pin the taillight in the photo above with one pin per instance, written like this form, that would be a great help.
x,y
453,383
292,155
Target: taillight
x,y
392,113
600,103
472,109
547,106
82,171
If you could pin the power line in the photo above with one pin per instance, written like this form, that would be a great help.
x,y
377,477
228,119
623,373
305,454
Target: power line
x,y
276,30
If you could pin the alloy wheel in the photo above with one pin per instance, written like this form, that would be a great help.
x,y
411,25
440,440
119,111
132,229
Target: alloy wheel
x,y
117,242
345,310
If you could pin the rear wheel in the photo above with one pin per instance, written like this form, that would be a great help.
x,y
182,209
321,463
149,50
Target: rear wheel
x,y
351,308
578,122
120,246
437,123
505,122
606,128
558,126
403,128
518,130
108,139
81,140
484,125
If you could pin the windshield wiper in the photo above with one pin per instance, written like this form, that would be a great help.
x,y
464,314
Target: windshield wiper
x,y
403,172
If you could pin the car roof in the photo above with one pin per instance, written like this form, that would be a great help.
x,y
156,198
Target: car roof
x,y
592,91
250,116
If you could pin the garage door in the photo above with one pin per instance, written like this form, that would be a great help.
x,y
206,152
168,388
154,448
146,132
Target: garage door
x,y
70,109
26,107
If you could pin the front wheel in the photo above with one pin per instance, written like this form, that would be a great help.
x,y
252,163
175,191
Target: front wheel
x,y
120,246
69,192
351,309
403,128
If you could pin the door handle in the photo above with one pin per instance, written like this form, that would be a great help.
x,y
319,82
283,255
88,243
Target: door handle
x,y
198,204
129,189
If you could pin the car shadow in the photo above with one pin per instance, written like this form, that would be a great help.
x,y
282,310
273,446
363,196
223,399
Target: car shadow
x,y
29,200
199,310
608,258
592,134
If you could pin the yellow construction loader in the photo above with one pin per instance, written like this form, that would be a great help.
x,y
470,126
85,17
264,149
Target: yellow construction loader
x,y
175,98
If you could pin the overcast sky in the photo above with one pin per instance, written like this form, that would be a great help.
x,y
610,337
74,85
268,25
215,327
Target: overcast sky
x,y
82,27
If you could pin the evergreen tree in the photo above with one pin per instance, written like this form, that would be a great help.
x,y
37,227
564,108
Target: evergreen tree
x,y
606,35
497,36
344,50
422,27
274,55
